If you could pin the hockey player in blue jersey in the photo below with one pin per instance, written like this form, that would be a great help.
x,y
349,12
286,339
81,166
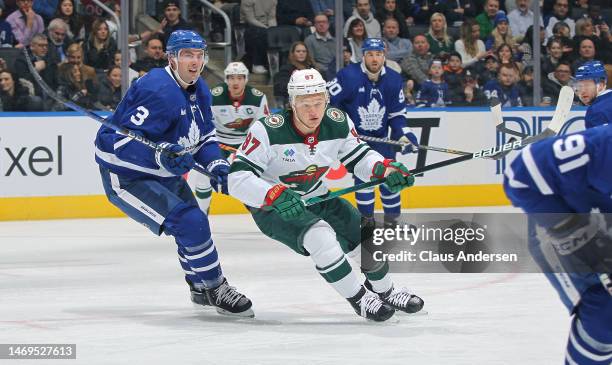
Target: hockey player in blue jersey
x,y
590,85
172,107
569,175
371,94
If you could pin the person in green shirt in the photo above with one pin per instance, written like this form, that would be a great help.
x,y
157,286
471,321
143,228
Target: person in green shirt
x,y
486,19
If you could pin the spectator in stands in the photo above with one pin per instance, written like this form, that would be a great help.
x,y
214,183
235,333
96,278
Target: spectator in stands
x,y
109,94
562,31
454,75
362,11
586,52
416,66
491,68
521,18
389,9
389,63
74,87
487,18
434,91
501,33
321,45
505,56
45,8
57,31
299,59
504,88
295,12
66,12
75,57
398,48
525,86
25,23
7,38
600,35
472,92
554,52
100,48
324,7
154,57
525,49
38,52
259,15
357,33
132,74
423,9
469,46
561,12
172,20
554,81
17,95
440,43
346,59
460,10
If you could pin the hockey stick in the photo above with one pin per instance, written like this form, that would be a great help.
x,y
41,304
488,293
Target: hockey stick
x,y
566,97
121,130
421,146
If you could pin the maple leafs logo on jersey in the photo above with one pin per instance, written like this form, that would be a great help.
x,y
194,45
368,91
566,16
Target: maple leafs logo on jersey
x,y
371,118
304,180
193,137
240,124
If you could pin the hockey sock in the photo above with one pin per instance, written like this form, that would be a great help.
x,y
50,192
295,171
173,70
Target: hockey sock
x,y
391,202
378,276
583,349
189,274
365,200
204,262
320,241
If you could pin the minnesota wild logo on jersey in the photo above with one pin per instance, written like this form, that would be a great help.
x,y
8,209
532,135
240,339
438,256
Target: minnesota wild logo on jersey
x,y
234,116
304,180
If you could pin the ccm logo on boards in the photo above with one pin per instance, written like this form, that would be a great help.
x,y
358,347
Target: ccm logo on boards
x,y
38,160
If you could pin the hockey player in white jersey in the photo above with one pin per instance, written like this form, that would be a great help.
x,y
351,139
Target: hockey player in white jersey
x,y
284,159
235,106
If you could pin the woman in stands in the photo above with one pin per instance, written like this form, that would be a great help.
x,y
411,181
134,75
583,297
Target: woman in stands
x,y
65,11
299,59
109,94
100,48
469,46
73,88
356,34
440,43
17,95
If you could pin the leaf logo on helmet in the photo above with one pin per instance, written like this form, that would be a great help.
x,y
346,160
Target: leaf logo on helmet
x,y
306,82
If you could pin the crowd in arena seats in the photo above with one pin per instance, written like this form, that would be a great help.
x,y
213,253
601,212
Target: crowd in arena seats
x,y
450,53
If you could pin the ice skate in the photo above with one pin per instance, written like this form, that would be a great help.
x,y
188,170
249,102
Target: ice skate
x,y
370,306
227,300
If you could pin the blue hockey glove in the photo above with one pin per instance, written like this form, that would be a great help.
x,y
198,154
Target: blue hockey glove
x,y
398,176
219,168
409,139
174,159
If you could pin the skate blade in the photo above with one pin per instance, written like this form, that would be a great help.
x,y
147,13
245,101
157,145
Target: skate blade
x,y
245,314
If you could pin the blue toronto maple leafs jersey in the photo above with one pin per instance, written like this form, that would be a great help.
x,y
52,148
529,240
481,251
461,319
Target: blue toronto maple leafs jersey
x,y
432,94
374,107
560,175
507,97
600,111
157,108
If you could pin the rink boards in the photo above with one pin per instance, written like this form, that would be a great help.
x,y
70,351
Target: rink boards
x,y
47,167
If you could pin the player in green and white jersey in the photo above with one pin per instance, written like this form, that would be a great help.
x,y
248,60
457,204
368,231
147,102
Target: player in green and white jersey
x,y
284,159
235,106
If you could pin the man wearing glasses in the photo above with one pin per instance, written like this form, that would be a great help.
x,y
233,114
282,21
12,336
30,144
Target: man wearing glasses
x,y
25,23
39,54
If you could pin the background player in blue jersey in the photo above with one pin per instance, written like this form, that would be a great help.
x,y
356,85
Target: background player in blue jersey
x,y
591,81
565,176
171,106
371,94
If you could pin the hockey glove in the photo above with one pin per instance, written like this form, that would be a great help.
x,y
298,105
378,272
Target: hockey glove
x,y
411,143
583,245
220,169
174,159
285,202
398,176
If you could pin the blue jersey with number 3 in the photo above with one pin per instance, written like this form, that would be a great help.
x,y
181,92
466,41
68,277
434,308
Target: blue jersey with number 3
x,y
157,108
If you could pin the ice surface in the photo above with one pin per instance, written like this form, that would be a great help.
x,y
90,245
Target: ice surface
x,y
117,291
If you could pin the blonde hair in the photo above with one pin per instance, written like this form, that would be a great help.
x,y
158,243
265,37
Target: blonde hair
x,y
501,39
445,36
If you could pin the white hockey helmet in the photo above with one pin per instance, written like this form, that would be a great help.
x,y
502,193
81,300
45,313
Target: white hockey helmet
x,y
306,82
236,68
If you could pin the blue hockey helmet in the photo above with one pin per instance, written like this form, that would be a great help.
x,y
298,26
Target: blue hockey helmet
x,y
592,70
373,44
182,39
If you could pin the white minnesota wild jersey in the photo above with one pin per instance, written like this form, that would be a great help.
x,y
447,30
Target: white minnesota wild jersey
x,y
234,116
274,152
